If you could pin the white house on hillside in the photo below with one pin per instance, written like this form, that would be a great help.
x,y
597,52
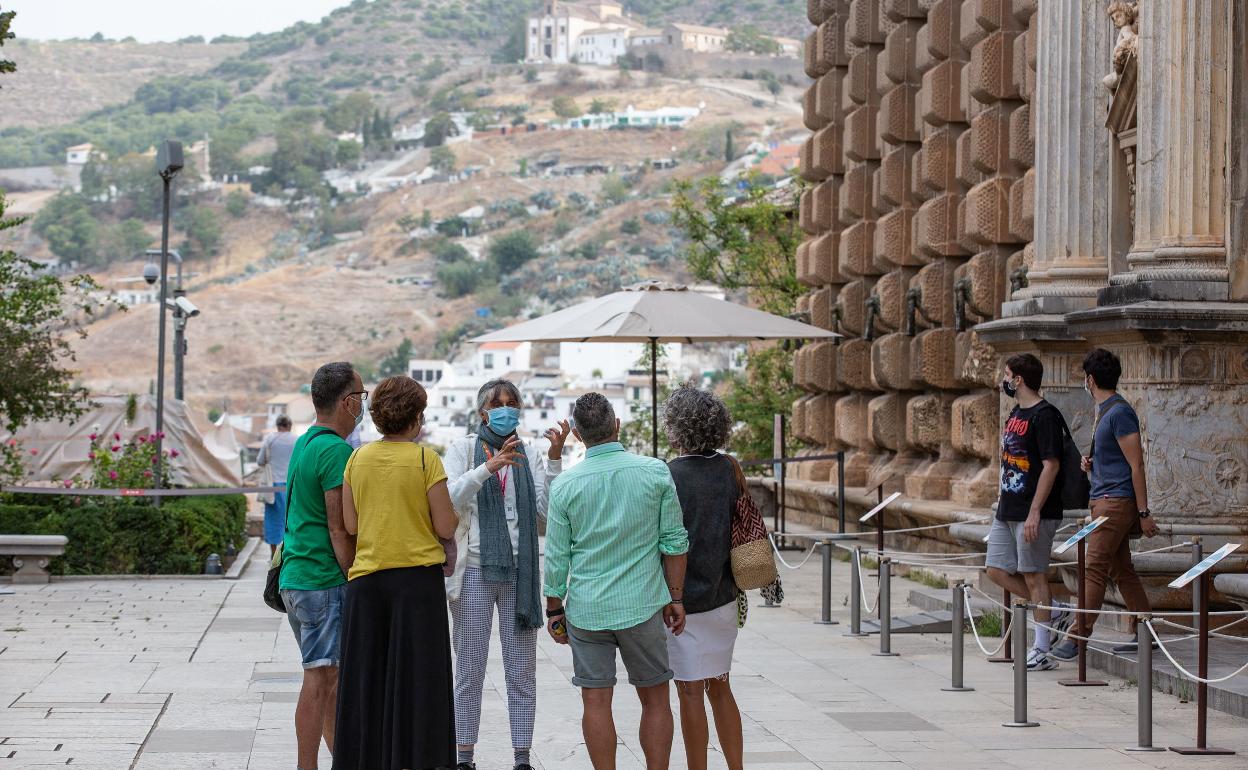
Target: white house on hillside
x,y
693,37
495,359
555,34
79,154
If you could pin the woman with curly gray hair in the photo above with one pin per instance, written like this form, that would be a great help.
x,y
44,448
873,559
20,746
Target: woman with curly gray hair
x,y
697,425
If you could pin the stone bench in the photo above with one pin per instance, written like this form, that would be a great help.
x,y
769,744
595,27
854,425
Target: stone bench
x,y
31,555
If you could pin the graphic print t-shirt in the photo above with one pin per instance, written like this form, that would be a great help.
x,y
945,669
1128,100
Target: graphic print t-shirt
x,y
1030,437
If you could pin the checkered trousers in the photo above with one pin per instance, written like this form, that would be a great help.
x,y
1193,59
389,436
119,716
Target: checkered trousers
x,y
473,615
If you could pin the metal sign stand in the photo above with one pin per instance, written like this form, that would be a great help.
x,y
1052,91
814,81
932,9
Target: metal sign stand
x,y
1078,538
1201,572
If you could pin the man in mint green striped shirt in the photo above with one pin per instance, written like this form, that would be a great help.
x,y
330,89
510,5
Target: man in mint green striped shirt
x,y
615,550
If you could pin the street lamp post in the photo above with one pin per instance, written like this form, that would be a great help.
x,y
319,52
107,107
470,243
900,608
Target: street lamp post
x,y
168,164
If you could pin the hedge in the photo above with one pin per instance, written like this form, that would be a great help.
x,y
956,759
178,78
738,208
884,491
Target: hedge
x,y
121,537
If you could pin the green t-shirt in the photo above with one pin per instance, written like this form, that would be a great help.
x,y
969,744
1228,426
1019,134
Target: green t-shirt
x,y
316,466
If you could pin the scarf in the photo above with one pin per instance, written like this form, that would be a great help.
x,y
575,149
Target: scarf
x,y
498,563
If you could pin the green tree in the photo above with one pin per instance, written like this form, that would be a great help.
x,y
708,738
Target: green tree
x,y
39,314
730,147
459,279
774,88
349,151
236,204
396,363
446,251
443,159
755,397
6,21
600,106
635,434
614,190
566,107
512,251
70,229
439,128
203,232
349,112
124,240
631,226
749,39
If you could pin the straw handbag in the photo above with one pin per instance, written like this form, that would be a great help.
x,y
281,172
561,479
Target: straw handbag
x,y
753,565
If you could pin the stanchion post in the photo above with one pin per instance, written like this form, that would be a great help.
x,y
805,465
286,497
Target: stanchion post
x,y
1006,656
885,608
840,489
825,613
959,619
1198,554
855,595
1018,640
1144,685
879,521
1084,628
1202,689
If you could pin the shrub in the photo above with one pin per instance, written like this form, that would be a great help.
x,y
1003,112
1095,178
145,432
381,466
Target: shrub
x,y
120,536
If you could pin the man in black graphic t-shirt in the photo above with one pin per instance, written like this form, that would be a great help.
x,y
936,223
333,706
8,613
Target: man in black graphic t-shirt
x,y
1029,509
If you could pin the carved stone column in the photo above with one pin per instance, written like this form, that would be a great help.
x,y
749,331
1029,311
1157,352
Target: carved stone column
x,y
1181,161
1072,160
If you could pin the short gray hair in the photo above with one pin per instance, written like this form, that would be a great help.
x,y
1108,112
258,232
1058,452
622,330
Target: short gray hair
x,y
595,419
696,421
490,389
330,383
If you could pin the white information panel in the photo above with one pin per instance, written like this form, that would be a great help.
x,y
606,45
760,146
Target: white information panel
x,y
1081,534
869,514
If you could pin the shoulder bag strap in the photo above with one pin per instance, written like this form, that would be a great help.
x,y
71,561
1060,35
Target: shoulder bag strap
x,y
290,481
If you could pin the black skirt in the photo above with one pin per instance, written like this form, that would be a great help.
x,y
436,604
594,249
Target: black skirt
x,y
395,702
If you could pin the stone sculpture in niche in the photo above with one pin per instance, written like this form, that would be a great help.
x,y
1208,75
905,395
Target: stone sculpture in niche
x,y
1125,17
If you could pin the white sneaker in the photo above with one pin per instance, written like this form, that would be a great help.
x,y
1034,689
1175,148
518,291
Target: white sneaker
x,y
1060,622
1040,660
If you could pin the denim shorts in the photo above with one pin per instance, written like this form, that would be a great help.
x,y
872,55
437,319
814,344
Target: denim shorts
x,y
316,619
642,647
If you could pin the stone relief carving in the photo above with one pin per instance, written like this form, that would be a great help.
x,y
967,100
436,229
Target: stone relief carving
x,y
1125,17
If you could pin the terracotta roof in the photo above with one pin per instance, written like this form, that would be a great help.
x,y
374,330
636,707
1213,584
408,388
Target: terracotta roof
x,y
500,345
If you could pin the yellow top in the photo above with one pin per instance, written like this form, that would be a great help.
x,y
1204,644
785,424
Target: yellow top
x,y
390,483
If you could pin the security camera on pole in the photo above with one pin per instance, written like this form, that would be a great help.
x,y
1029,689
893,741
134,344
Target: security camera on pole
x,y
168,164
182,309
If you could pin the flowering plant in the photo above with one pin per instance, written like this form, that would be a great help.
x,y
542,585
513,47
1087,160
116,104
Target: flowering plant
x,y
127,464
12,462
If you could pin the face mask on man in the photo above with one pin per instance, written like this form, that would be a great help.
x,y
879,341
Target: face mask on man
x,y
503,420
1008,388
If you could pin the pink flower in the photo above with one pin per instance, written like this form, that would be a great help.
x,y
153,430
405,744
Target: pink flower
x,y
116,437
116,448
155,460
160,435
173,453
12,442
34,453
147,474
112,475
91,455
93,436
68,483
142,439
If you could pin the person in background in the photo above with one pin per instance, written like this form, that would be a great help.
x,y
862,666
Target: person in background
x,y
615,551
707,484
275,453
318,550
1119,493
499,487
1029,507
395,706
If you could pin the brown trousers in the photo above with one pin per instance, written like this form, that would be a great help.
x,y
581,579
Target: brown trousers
x,y
1109,558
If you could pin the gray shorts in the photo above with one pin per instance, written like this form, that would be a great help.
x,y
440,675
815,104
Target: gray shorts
x,y
643,648
1009,551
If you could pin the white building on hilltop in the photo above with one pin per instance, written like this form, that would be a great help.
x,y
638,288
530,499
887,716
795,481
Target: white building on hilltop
x,y
558,32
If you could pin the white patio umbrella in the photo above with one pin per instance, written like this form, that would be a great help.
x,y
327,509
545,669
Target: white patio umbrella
x,y
655,312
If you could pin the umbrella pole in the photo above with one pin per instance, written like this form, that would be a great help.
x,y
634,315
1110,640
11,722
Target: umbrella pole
x,y
654,395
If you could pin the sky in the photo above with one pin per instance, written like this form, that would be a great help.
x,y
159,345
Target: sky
x,y
153,20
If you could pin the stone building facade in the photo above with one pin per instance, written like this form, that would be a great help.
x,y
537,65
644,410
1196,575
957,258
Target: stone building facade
x,y
992,176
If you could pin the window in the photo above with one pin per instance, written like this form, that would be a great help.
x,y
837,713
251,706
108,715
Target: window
x,y
636,394
444,402
507,361
488,361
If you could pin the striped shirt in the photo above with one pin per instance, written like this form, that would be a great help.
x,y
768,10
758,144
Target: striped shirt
x,y
611,520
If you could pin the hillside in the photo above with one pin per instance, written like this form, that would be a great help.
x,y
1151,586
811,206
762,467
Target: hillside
x,y
290,272
58,82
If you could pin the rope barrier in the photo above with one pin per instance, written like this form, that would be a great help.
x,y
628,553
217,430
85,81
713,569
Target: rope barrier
x,y
1211,633
966,608
1184,671
935,526
1133,614
771,536
862,594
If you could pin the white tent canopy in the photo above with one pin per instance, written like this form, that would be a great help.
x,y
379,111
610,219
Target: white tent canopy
x,y
656,312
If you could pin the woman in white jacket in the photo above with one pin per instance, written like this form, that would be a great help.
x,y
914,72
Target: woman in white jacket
x,y
499,488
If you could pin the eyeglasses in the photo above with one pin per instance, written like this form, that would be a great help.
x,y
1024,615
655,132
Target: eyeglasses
x,y
363,394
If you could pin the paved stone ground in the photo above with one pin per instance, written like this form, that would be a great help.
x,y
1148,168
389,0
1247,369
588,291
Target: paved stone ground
x,y
199,673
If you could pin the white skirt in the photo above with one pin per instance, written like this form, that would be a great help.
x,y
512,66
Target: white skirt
x,y
704,649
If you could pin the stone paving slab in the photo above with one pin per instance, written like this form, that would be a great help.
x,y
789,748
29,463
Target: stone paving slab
x,y
158,674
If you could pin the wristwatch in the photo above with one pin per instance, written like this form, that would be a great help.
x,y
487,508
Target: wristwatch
x,y
554,613
1144,514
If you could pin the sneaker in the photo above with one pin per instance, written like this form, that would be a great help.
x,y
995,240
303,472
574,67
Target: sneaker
x,y
466,766
523,767
1130,648
1039,660
1061,621
1067,650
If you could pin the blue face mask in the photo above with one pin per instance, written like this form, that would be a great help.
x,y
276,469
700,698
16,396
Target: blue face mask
x,y
504,420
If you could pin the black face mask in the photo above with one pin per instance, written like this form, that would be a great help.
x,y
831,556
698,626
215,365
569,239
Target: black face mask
x,y
1008,388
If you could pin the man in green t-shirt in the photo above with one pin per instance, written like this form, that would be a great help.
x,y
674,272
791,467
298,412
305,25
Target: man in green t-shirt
x,y
317,550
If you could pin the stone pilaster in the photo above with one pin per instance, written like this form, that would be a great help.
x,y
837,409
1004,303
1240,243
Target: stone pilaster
x,y
1071,223
1180,250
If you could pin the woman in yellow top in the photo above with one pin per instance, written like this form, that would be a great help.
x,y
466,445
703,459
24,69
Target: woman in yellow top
x,y
395,705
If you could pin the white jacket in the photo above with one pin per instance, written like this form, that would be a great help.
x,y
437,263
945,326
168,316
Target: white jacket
x,y
464,482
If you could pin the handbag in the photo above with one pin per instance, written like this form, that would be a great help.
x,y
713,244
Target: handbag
x,y
753,562
273,580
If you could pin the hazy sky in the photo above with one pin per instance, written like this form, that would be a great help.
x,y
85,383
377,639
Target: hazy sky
x,y
150,20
